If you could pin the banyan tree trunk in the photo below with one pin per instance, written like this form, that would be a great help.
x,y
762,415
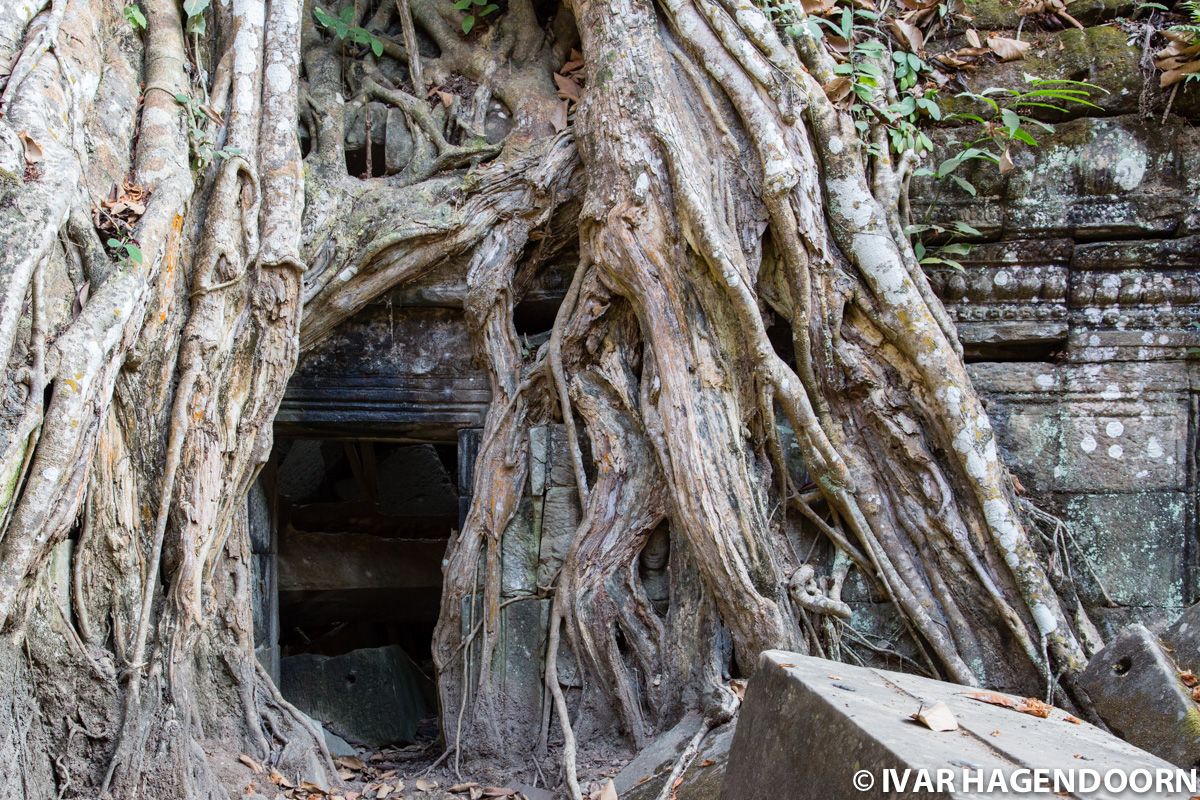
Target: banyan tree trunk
x,y
166,252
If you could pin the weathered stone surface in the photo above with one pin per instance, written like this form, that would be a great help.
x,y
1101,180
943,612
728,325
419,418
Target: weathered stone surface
x,y
643,777
1182,639
344,561
1136,544
374,696
401,370
519,550
414,482
807,725
520,665
560,518
258,519
1135,688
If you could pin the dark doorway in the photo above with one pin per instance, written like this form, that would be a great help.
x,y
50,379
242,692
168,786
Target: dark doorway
x,y
361,529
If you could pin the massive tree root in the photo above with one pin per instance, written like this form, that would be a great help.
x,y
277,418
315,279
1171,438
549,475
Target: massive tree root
x,y
717,197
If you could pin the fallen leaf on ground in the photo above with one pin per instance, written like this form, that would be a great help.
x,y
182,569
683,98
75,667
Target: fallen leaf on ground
x,y
250,762
1029,705
937,717
1007,49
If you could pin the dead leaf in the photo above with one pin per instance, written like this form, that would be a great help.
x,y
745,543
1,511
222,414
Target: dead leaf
x,y
1007,49
937,717
278,779
973,38
559,120
350,762
708,762
1006,163
383,791
81,298
818,7
1072,720
838,88
609,792
33,150
498,791
1035,707
446,97
909,34
568,89
425,785
462,788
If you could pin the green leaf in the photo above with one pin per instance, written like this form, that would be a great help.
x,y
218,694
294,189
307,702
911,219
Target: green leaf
x,y
1022,135
966,229
468,23
463,5
1011,120
966,186
194,8
488,9
182,99
114,243
347,15
134,252
376,47
134,16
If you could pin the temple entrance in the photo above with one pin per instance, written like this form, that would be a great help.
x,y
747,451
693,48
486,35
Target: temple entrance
x,y
359,531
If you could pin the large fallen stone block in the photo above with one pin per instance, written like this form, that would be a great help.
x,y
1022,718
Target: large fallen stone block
x,y
811,729
643,777
1182,639
1138,691
374,696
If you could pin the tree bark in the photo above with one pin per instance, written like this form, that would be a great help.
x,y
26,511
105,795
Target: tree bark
x,y
713,190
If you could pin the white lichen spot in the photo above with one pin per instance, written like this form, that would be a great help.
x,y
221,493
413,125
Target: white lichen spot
x,y
1111,392
279,77
1154,448
1116,451
848,202
1045,619
1044,381
1114,428
835,145
1001,278
1129,171
1088,444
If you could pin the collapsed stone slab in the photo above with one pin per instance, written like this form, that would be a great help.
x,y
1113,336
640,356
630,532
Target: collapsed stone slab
x,y
809,726
374,696
643,778
1138,691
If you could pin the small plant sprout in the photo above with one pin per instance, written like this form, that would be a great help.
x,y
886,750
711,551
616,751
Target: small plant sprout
x,y
473,11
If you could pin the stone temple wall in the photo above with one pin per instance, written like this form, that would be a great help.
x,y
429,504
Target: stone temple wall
x,y
1079,310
